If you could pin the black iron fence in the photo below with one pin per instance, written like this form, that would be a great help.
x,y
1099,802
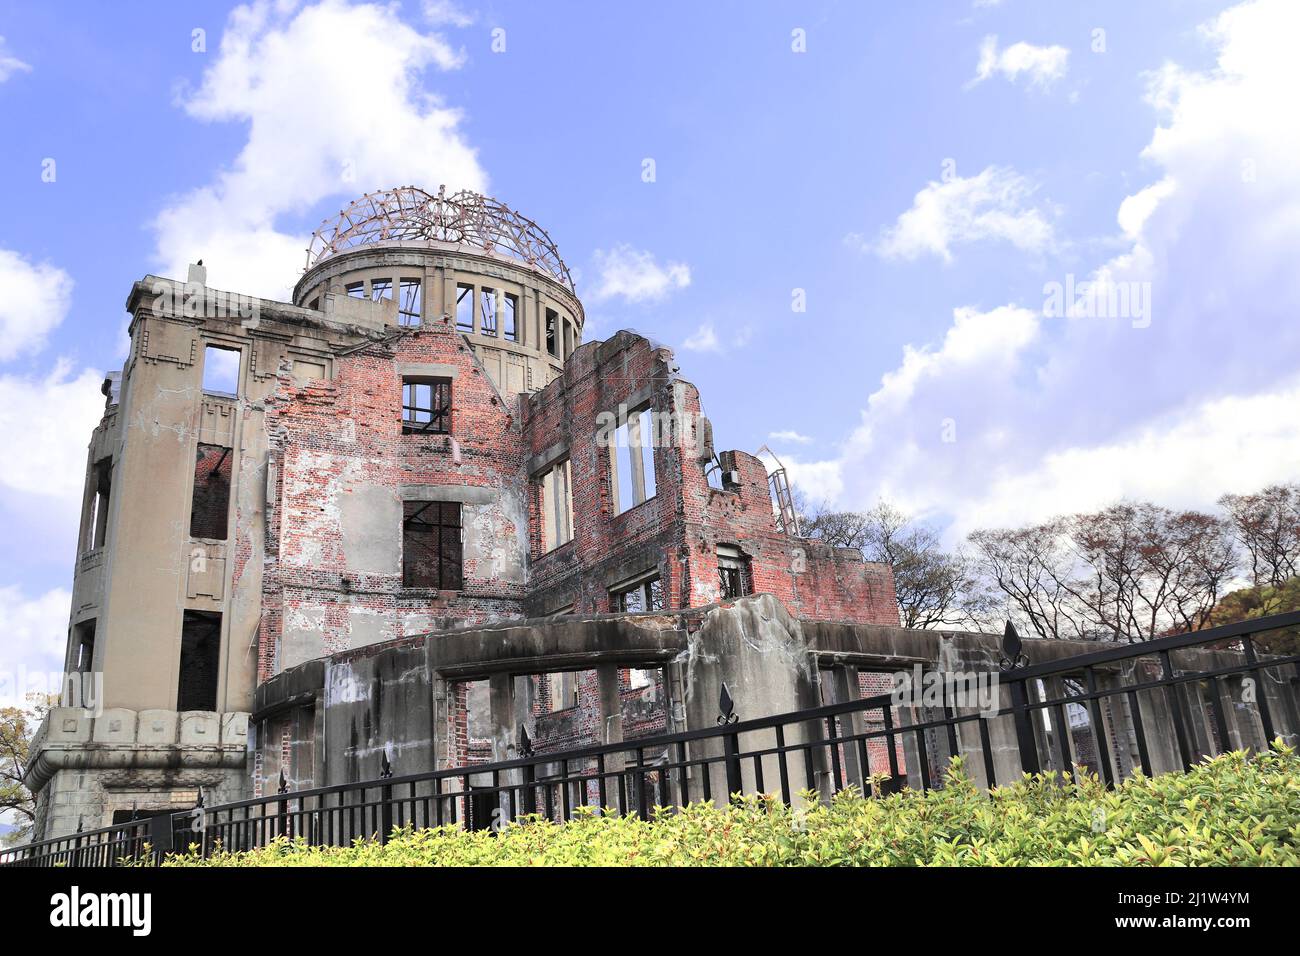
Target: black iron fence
x,y
1150,707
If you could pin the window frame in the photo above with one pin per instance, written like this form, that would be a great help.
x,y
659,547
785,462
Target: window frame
x,y
557,524
645,585
449,575
440,416
642,477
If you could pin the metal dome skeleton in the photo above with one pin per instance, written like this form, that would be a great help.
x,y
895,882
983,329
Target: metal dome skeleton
x,y
409,214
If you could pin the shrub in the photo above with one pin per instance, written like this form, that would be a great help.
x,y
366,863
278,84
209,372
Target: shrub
x,y
1235,809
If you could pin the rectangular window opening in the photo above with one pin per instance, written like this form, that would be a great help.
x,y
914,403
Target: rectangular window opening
x,y
562,690
552,318
464,308
381,290
489,300
639,598
734,575
426,406
355,290
221,371
410,305
210,503
103,479
633,461
431,545
200,659
82,658
509,317
557,506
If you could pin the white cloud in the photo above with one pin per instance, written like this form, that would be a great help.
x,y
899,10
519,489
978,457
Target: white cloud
x,y
634,276
789,436
44,426
319,127
445,12
10,64
1057,415
991,205
35,637
1042,65
706,339
36,299
1185,459
703,339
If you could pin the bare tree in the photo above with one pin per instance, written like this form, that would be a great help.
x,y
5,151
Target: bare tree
x,y
1034,568
933,587
1267,523
1151,570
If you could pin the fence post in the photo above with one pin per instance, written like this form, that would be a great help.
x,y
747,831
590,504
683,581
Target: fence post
x,y
285,827
385,799
730,742
1014,658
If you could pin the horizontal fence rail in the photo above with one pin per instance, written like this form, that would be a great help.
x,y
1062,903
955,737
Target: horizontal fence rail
x,y
1150,707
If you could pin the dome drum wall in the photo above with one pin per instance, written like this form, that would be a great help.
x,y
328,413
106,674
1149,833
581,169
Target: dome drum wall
x,y
522,323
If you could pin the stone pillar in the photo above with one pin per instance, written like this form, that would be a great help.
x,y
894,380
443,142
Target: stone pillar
x,y
844,688
758,650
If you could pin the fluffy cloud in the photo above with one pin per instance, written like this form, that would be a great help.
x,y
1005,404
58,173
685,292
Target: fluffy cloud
x,y
44,424
1014,416
1041,65
634,276
317,129
10,64
35,630
992,205
35,300
789,436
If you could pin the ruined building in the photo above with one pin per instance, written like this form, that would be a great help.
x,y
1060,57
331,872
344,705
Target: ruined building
x,y
406,515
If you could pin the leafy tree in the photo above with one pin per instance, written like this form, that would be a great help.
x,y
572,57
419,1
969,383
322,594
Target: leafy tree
x,y
17,727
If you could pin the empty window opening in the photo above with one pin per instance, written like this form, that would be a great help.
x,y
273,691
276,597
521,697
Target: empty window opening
x,y
210,503
431,545
489,301
410,304
355,290
221,371
562,691
557,506
465,308
552,318
314,304
734,575
509,317
381,290
641,597
633,461
200,658
82,658
426,406
97,519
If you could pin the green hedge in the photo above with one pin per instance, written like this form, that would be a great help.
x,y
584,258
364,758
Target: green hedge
x,y
1236,809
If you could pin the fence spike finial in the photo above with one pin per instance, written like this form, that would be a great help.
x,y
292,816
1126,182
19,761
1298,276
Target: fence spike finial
x,y
284,782
1013,655
726,707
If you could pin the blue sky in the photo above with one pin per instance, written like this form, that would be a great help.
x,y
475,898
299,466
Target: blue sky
x,y
919,174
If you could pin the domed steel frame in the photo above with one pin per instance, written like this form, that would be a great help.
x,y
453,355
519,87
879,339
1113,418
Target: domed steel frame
x,y
408,213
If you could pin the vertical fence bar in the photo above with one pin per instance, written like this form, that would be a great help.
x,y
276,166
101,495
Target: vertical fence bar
x,y
1099,731
1177,708
1261,698
1024,725
731,745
